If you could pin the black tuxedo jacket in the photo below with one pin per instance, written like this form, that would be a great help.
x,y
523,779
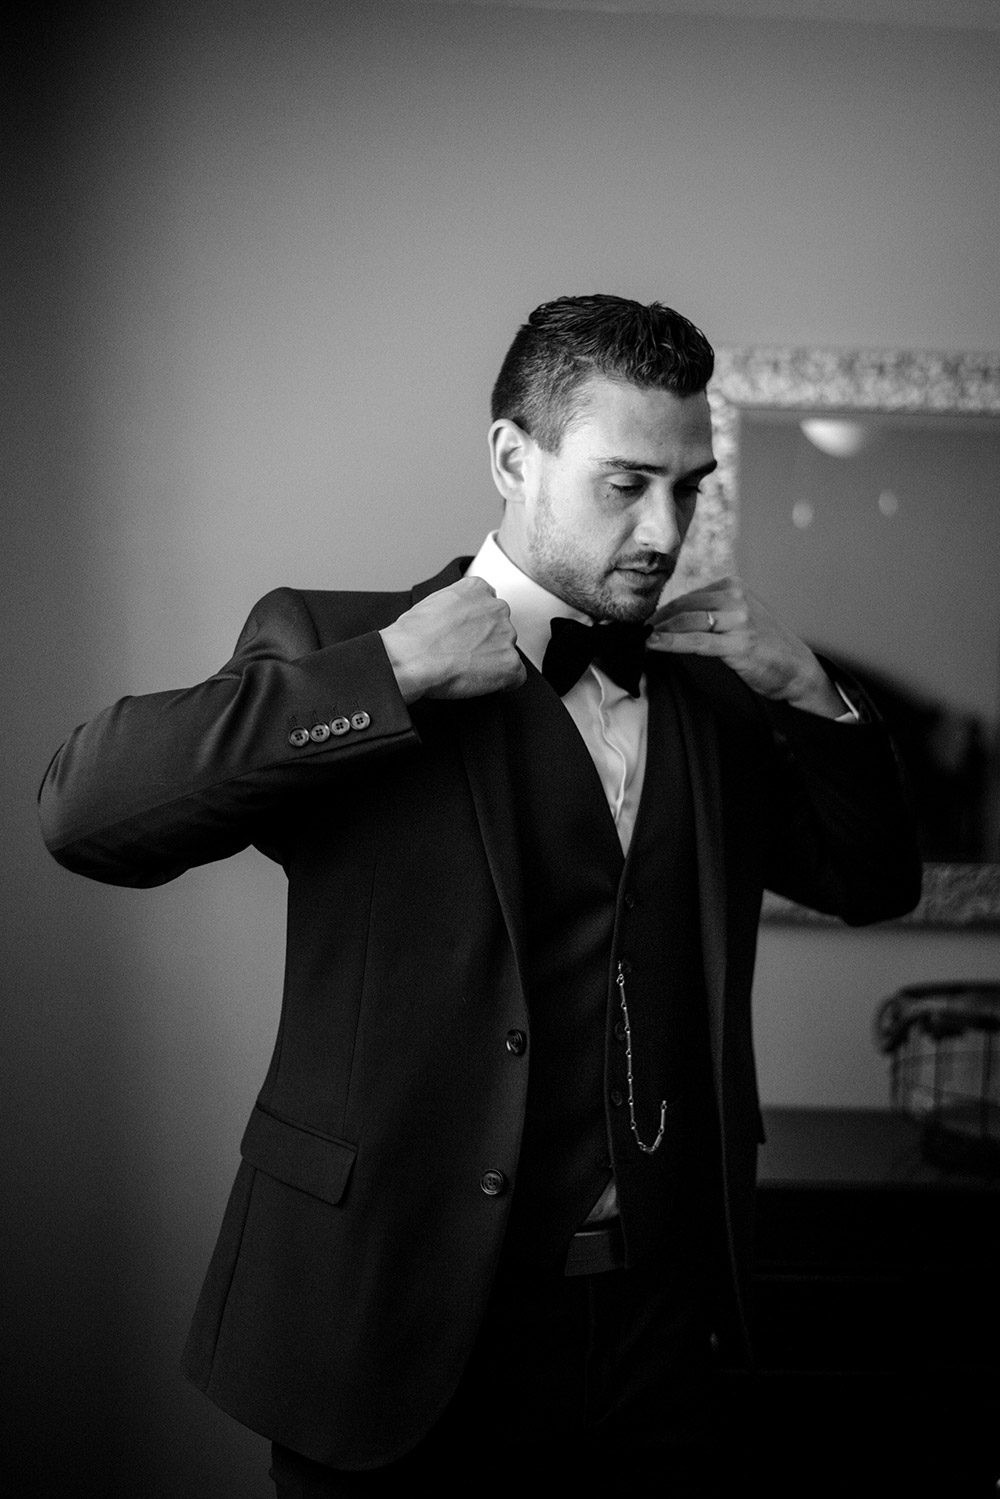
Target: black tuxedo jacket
x,y
360,1240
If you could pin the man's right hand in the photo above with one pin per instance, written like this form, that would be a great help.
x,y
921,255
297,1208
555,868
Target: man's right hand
x,y
458,642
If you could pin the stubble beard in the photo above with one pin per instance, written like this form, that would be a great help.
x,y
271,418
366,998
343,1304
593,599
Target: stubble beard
x,y
572,575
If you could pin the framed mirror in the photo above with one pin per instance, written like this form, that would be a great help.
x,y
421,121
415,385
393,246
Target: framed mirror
x,y
857,492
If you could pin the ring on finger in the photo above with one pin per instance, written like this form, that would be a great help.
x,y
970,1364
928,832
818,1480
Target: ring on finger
x,y
711,621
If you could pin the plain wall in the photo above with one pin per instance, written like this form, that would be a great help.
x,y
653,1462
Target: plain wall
x,y
264,261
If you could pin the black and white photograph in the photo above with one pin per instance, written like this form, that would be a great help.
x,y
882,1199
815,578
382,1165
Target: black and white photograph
x,y
501,945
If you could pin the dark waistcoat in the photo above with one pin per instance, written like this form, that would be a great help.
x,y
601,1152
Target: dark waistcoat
x,y
595,918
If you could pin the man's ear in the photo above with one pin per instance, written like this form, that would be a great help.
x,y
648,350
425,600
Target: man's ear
x,y
512,455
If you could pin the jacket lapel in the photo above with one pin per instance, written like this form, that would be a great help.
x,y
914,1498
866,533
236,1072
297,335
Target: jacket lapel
x,y
448,575
478,723
482,742
701,746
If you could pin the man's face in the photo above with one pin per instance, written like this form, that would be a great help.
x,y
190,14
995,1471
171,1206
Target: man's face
x,y
603,519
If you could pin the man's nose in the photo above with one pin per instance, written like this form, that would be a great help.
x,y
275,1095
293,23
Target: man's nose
x,y
657,530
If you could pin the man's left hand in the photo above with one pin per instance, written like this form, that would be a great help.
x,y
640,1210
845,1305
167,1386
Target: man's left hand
x,y
725,619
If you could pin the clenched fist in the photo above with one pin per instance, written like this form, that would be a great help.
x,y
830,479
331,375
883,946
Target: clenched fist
x,y
458,642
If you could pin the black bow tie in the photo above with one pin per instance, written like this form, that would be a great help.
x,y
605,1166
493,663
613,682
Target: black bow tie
x,y
617,649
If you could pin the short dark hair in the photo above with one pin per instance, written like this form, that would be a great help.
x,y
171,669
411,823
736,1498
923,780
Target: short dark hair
x,y
566,341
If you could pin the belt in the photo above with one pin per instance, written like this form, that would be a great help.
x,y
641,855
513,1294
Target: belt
x,y
596,1249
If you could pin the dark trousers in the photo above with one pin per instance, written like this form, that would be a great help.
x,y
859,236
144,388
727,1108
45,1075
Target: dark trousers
x,y
601,1380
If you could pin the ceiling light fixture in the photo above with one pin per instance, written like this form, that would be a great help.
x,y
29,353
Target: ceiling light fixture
x,y
840,437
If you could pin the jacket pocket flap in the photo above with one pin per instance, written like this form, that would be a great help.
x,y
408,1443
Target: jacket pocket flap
x,y
314,1163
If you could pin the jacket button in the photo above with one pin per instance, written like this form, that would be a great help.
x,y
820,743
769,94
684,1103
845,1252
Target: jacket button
x,y
492,1183
517,1043
340,726
629,901
319,732
299,737
360,720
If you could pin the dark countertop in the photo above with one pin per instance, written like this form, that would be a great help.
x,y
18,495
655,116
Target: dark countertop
x,y
853,1148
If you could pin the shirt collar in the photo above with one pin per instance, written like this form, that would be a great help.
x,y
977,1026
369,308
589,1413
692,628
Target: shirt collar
x,y
532,607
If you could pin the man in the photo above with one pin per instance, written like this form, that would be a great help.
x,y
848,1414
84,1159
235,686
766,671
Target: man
x,y
495,1195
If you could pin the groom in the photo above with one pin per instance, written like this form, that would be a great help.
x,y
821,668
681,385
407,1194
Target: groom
x,y
495,1196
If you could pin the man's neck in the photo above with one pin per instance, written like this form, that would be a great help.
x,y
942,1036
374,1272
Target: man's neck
x,y
532,606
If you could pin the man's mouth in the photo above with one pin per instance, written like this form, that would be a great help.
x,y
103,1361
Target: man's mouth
x,y
660,570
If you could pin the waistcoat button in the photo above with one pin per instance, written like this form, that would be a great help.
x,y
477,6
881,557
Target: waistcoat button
x,y
617,1096
517,1043
619,1030
492,1183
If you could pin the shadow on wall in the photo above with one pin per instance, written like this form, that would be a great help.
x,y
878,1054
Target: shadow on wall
x,y
951,764
125,1104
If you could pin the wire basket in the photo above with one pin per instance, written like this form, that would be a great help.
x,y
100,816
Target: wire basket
x,y
944,1044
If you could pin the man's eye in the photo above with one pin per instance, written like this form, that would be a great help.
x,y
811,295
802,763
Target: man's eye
x,y
628,488
688,492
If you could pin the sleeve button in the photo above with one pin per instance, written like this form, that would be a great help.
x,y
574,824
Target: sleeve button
x,y
298,737
517,1043
360,720
340,726
319,732
492,1183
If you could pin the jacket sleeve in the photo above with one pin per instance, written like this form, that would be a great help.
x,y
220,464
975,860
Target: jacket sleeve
x,y
842,834
159,783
